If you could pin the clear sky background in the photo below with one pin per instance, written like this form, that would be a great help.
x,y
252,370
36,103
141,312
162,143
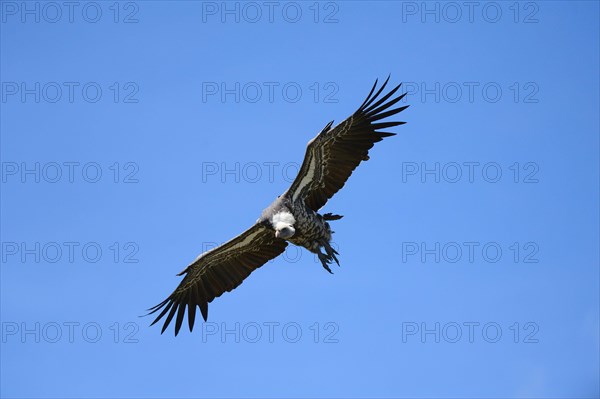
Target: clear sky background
x,y
135,135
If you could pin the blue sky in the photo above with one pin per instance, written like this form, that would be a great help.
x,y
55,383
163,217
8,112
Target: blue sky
x,y
135,135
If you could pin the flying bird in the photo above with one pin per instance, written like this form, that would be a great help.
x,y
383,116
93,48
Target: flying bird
x,y
330,159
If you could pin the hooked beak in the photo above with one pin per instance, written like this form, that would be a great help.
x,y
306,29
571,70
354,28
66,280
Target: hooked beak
x,y
285,232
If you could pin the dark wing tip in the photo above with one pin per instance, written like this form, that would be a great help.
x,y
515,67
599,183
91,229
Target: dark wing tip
x,y
180,309
154,308
370,97
191,313
173,305
204,310
179,320
374,105
370,93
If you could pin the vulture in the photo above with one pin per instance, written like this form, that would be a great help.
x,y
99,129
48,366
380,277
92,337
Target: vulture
x,y
293,217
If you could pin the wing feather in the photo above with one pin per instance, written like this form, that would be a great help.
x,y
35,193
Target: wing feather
x,y
334,153
217,271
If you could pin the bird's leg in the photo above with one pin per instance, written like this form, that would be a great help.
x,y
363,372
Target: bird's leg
x,y
329,256
331,252
325,260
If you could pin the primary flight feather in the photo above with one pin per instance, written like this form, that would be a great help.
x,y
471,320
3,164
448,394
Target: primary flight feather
x,y
330,159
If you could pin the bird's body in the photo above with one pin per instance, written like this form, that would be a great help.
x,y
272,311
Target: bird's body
x,y
293,217
308,228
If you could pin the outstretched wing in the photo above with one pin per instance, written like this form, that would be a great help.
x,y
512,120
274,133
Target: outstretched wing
x,y
216,271
333,154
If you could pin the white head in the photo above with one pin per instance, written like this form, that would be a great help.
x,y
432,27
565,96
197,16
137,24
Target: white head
x,y
283,223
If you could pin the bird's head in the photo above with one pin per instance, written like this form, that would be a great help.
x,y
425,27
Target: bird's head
x,y
283,224
284,231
